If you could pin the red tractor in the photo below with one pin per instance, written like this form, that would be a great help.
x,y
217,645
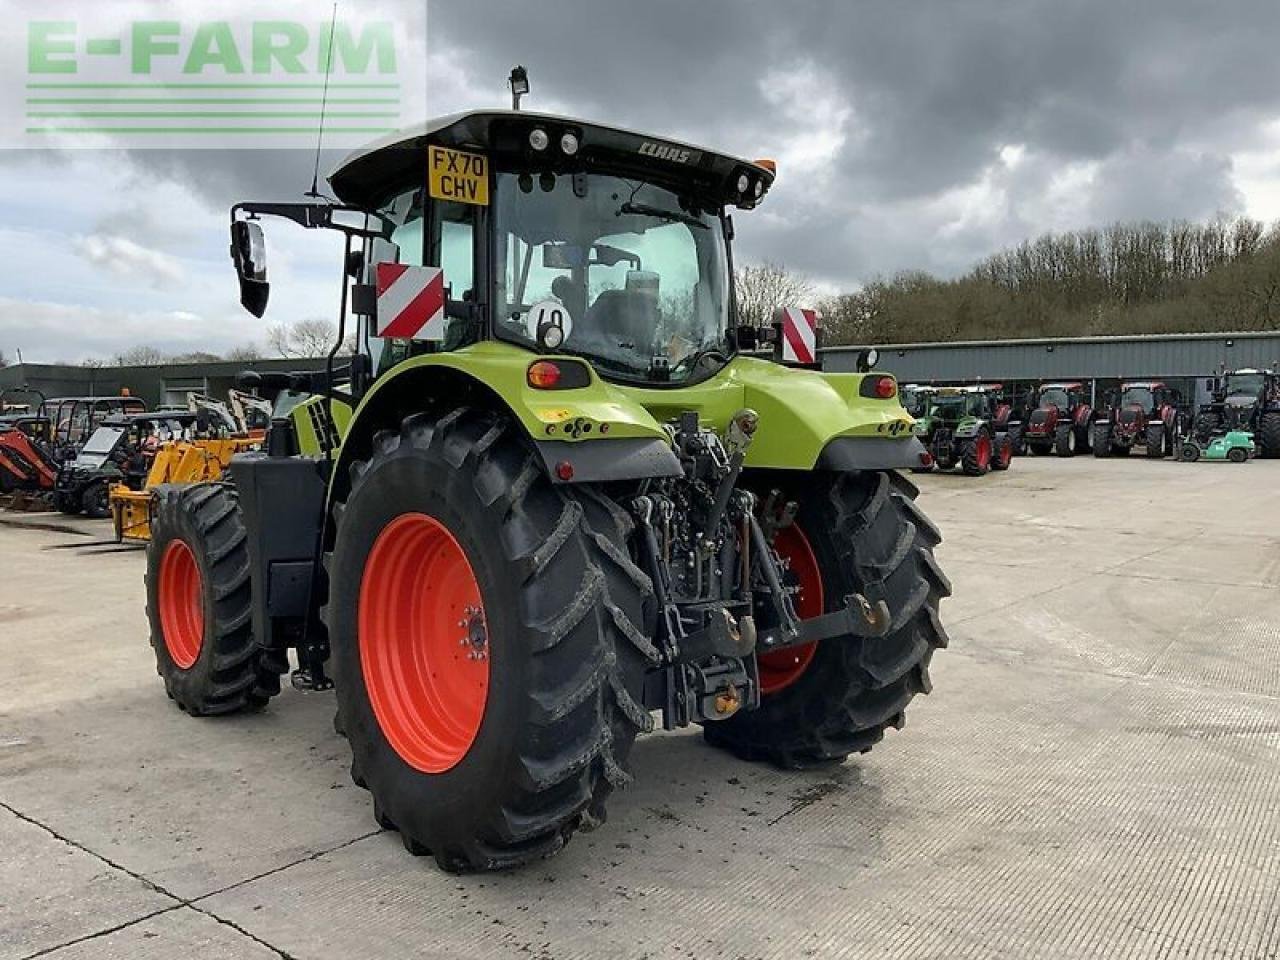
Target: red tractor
x,y
1058,421
1146,413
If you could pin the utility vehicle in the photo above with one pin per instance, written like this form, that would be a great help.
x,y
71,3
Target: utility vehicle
x,y
1235,445
1058,421
1246,399
1146,413
958,428
119,451
549,496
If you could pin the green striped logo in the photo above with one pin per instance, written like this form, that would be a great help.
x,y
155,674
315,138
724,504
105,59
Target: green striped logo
x,y
253,82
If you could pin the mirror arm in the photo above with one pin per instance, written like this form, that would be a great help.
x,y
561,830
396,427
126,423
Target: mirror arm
x,y
315,216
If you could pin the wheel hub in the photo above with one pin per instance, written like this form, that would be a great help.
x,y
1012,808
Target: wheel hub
x,y
427,685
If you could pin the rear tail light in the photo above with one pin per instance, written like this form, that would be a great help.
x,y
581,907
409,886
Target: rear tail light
x,y
926,458
880,387
543,375
558,375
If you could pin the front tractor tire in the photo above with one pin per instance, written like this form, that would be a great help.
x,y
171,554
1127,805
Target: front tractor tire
x,y
1155,440
1064,440
975,454
1003,454
1102,440
199,604
855,532
490,638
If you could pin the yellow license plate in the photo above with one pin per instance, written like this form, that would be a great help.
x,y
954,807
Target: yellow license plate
x,y
457,175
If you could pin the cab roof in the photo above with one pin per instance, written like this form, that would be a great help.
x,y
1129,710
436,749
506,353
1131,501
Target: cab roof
x,y
1063,385
1140,384
366,176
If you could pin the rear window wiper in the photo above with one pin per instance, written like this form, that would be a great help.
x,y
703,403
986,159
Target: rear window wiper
x,y
672,216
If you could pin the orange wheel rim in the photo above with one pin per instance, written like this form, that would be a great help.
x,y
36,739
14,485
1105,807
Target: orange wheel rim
x,y
983,451
423,641
181,604
781,668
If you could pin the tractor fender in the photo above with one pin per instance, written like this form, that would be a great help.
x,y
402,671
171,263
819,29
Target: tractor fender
x,y
583,434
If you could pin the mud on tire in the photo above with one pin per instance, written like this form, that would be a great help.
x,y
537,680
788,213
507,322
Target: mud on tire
x,y
868,536
568,619
230,672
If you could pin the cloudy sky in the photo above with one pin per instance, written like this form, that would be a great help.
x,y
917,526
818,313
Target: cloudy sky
x,y
909,135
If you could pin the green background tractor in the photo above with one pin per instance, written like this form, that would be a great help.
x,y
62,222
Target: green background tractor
x,y
958,429
549,497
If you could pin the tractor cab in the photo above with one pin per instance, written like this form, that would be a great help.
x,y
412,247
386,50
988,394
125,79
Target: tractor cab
x,y
547,233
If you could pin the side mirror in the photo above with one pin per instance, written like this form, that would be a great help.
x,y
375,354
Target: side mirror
x,y
249,253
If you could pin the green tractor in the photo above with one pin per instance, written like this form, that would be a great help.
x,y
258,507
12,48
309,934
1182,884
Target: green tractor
x,y
958,427
550,496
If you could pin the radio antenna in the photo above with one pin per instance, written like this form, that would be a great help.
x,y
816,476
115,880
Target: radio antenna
x,y
324,103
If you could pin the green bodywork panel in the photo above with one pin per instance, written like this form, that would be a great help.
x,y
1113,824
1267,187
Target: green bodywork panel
x,y
800,410
316,419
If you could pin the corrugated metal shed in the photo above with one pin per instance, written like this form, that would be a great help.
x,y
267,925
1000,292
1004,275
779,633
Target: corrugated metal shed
x,y
1173,355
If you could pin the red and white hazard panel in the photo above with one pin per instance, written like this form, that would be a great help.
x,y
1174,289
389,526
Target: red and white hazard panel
x,y
799,339
410,301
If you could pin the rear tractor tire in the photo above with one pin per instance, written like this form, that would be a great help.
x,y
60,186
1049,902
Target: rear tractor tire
x,y
490,638
1269,436
854,532
199,603
975,454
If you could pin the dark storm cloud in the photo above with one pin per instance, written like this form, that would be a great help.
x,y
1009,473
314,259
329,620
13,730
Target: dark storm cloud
x,y
1142,103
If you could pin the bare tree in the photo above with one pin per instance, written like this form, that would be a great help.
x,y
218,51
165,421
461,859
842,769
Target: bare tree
x,y
763,288
139,356
246,351
312,337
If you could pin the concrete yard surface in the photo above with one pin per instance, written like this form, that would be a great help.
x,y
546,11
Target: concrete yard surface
x,y
1096,773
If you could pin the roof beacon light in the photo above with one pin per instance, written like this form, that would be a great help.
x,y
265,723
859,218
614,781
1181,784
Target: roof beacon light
x,y
519,84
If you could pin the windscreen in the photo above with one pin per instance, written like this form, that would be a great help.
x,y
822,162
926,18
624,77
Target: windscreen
x,y
1136,397
103,440
637,281
1244,385
1055,397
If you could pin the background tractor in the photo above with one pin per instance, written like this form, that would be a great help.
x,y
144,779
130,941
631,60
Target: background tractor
x,y
1246,399
549,495
958,428
1057,420
1142,413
